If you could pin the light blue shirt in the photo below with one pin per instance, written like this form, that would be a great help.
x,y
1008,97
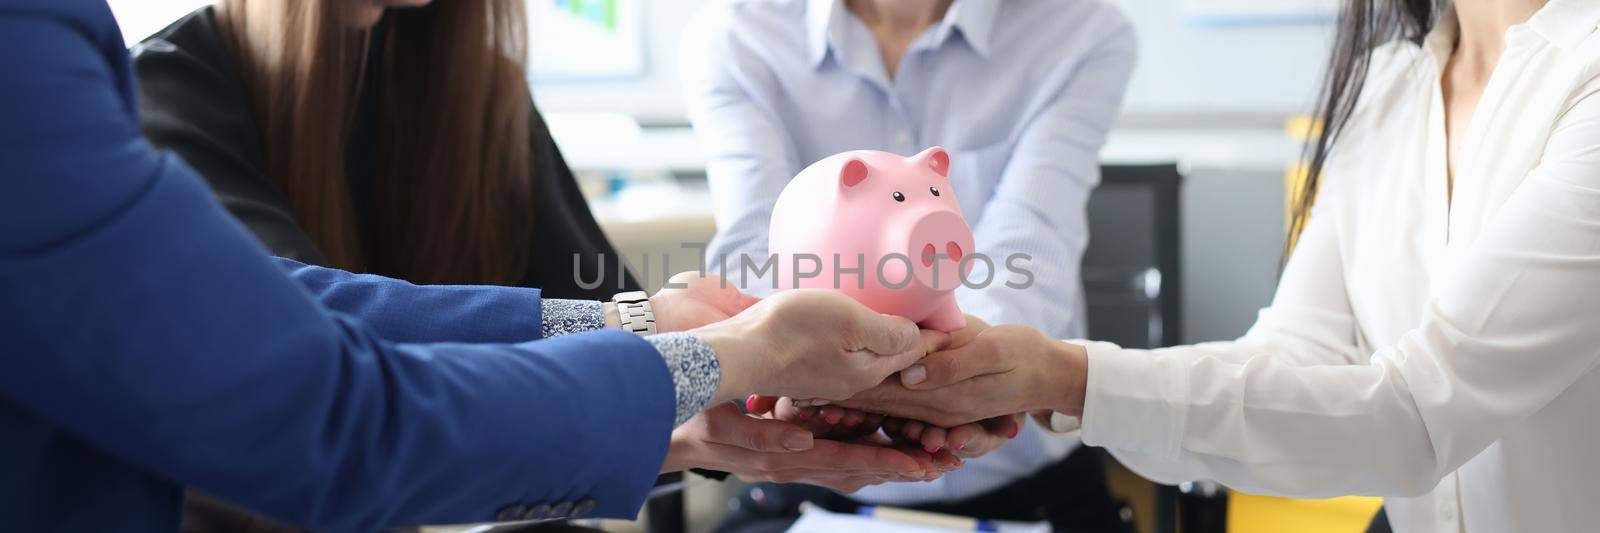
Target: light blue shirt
x,y
1022,94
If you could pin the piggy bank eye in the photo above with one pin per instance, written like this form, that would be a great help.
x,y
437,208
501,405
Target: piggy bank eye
x,y
934,190
899,197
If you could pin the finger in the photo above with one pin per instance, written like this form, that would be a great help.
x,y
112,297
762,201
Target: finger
x,y
811,476
960,437
925,460
1007,426
965,335
881,398
947,461
852,485
885,334
944,368
935,340
913,429
853,418
933,439
856,459
782,409
806,417
857,432
845,485
833,414
987,435
887,364
760,405
822,478
732,428
893,399
827,459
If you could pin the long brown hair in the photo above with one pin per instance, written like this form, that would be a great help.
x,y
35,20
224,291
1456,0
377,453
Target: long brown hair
x,y
1364,25
451,198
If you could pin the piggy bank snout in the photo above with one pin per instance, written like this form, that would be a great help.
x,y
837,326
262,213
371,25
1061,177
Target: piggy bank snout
x,y
938,242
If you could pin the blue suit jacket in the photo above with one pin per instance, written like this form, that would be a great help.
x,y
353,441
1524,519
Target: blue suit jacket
x,y
147,342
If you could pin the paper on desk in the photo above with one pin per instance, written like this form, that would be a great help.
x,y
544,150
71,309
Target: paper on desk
x,y
818,520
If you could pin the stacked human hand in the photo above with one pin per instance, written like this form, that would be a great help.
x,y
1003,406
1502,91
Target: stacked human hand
x,y
963,441
965,398
809,343
813,344
952,444
998,371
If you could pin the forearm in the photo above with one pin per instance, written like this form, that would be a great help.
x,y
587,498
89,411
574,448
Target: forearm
x,y
123,277
1263,425
402,312
696,373
206,352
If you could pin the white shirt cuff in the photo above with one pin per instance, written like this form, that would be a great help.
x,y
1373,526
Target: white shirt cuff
x,y
1135,400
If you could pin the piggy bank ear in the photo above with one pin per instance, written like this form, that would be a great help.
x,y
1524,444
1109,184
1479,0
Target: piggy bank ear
x,y
937,159
852,173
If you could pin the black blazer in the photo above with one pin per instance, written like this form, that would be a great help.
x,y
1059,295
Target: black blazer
x,y
193,101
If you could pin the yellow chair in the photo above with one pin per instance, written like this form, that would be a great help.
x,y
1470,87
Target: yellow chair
x,y
1248,513
1301,129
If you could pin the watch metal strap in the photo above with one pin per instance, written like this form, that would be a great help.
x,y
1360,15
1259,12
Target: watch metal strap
x,y
633,310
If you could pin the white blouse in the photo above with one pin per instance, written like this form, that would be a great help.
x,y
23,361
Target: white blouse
x,y
1438,351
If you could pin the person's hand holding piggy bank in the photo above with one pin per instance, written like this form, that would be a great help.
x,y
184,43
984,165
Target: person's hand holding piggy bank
x,y
887,231
883,229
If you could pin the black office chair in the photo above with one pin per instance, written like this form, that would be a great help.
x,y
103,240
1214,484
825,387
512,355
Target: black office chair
x,y
1131,277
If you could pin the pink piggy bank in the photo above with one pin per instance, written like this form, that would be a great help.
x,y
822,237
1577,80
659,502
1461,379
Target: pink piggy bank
x,y
881,228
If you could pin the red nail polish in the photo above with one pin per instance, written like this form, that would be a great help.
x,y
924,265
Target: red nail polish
x,y
749,403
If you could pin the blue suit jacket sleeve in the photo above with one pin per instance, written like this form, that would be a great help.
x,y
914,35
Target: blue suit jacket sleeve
x,y
402,312
141,318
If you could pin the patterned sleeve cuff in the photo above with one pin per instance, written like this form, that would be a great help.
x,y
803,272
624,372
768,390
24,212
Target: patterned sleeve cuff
x,y
695,371
563,317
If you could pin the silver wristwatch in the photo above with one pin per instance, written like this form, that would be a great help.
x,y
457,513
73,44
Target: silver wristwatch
x,y
633,310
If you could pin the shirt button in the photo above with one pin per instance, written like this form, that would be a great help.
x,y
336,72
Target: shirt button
x,y
583,509
1447,512
904,137
537,512
561,510
511,512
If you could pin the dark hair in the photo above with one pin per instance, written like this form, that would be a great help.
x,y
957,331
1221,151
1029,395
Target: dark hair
x,y
453,192
1364,25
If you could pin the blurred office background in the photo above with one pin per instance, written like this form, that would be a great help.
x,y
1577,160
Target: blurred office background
x,y
1217,84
